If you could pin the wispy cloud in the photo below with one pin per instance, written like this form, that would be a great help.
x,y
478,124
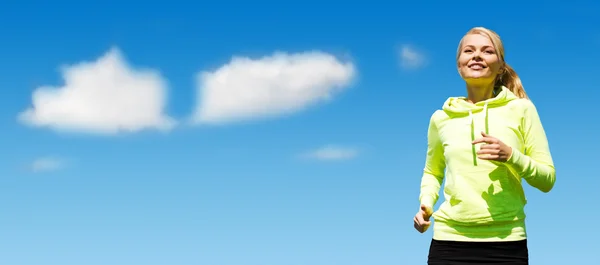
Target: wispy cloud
x,y
106,96
332,153
44,164
274,85
411,57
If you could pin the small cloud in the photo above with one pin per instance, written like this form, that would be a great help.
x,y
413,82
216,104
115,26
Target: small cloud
x,y
46,164
106,96
411,58
330,152
271,86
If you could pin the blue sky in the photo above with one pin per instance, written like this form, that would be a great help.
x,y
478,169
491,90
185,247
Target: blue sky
x,y
306,149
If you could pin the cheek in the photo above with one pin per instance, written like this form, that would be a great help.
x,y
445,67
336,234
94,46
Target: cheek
x,y
494,64
462,62
496,67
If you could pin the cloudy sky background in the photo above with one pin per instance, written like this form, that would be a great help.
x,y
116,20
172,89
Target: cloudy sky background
x,y
263,132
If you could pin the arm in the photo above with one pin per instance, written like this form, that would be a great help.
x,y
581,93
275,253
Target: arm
x,y
435,164
535,165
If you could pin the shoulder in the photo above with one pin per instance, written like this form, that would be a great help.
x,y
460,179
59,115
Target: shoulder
x,y
522,105
437,116
437,119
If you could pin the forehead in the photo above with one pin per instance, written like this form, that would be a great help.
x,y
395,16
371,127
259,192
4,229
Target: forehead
x,y
477,40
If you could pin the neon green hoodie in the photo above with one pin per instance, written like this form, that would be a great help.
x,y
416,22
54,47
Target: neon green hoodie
x,y
484,199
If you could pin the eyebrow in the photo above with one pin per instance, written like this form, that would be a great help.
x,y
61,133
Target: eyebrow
x,y
485,46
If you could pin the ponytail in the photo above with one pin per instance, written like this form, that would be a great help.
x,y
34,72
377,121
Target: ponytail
x,y
509,78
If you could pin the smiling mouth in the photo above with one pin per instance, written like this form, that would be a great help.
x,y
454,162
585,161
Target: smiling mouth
x,y
477,66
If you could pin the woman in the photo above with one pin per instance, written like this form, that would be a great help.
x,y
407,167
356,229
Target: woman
x,y
484,145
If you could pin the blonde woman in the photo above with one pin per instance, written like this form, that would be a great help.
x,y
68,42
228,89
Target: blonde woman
x,y
484,145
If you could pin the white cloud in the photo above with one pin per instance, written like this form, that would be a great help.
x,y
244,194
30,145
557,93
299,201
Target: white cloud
x,y
331,152
105,96
46,164
270,86
411,58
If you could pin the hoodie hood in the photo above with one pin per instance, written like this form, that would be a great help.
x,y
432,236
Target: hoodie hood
x,y
459,106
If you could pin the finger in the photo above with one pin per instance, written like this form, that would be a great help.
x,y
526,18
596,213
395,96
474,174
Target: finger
x,y
485,134
422,220
418,228
419,218
424,227
490,146
488,152
489,140
421,229
427,215
488,157
428,211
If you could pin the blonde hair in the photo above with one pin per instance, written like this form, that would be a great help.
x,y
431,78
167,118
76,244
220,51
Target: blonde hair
x,y
507,76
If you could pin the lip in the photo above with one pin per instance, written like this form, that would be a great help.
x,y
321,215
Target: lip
x,y
477,64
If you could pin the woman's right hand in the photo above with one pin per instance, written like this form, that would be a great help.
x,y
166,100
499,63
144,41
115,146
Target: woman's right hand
x,y
421,220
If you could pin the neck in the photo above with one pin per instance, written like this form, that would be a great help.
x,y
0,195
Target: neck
x,y
479,92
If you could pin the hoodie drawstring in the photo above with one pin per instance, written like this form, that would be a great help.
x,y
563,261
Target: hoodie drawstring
x,y
472,124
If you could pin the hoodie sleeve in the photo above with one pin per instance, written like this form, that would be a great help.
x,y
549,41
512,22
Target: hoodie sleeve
x,y
535,164
435,164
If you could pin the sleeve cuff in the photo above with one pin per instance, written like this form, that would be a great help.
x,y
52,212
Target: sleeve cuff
x,y
515,161
427,202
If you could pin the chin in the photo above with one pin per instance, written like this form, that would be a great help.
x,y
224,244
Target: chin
x,y
477,75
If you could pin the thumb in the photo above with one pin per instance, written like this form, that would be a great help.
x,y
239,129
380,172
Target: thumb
x,y
427,210
484,134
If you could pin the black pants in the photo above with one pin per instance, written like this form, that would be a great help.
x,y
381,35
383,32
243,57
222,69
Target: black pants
x,y
458,253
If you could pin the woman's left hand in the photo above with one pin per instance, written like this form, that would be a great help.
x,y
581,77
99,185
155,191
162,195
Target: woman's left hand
x,y
493,149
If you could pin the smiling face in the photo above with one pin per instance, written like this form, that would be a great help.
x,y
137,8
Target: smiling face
x,y
478,58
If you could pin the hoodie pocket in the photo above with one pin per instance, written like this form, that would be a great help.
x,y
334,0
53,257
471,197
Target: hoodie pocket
x,y
504,196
